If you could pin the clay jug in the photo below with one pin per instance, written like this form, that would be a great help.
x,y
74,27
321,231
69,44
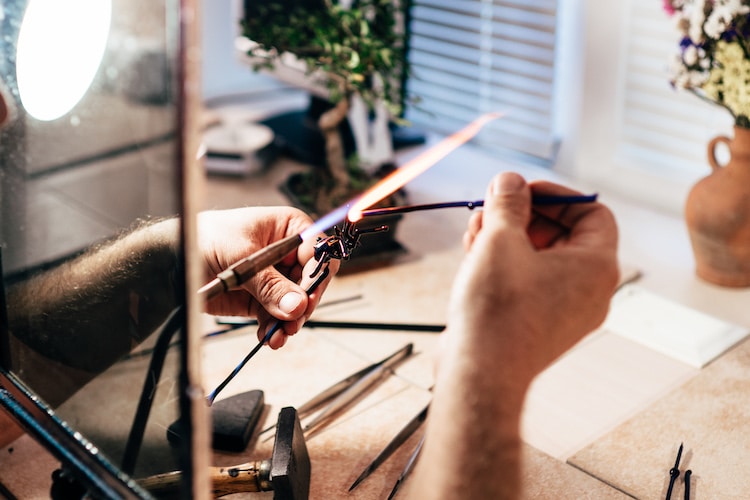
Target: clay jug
x,y
717,214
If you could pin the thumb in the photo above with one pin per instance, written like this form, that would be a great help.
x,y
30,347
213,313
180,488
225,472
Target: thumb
x,y
508,202
282,298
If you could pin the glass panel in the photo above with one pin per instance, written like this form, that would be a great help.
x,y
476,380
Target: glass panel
x,y
89,156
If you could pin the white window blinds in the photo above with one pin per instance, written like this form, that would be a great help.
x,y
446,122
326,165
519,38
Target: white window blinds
x,y
474,56
662,128
638,135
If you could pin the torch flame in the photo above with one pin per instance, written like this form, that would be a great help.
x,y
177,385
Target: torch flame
x,y
417,165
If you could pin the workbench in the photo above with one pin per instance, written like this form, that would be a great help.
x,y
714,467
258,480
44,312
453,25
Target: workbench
x,y
605,421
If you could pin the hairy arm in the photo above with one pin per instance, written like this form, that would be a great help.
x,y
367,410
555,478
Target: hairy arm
x,y
531,286
80,317
72,322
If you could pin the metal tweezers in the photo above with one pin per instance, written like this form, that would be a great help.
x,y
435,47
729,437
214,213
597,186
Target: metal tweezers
x,y
395,443
674,473
342,393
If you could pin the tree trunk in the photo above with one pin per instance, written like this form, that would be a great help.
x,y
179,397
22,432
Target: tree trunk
x,y
329,123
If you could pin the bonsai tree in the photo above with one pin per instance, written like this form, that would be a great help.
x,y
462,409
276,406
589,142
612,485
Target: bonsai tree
x,y
354,53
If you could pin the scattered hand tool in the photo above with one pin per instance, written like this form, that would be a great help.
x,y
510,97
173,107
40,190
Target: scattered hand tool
x,y
409,466
233,419
274,328
674,473
395,444
342,387
286,473
357,388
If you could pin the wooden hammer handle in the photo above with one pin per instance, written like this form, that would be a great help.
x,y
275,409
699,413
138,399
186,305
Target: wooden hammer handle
x,y
250,476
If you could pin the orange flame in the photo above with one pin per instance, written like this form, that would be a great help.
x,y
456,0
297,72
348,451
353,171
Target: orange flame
x,y
417,165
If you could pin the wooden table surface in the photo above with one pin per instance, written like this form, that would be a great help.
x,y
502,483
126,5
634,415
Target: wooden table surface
x,y
603,422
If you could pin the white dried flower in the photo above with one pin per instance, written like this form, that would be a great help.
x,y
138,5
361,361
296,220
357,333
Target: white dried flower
x,y
690,56
722,16
714,59
696,17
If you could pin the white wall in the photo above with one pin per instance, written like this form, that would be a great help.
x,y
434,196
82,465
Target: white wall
x,y
223,74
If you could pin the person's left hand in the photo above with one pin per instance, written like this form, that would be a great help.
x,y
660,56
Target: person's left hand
x,y
277,292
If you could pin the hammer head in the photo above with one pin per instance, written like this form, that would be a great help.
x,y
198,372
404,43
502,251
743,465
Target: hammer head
x,y
290,463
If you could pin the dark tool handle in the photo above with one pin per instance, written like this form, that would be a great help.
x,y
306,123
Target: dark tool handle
x,y
244,269
250,476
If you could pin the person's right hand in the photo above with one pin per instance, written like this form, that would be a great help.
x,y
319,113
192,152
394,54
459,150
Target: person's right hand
x,y
533,283
535,280
276,293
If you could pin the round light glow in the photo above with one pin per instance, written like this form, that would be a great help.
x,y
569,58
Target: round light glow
x,y
60,48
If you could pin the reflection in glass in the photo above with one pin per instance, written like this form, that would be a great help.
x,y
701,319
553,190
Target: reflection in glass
x,y
74,177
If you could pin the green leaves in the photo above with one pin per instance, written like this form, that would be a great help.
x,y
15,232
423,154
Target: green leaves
x,y
350,45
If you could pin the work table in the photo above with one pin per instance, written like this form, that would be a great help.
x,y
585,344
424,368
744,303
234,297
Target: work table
x,y
604,422
603,404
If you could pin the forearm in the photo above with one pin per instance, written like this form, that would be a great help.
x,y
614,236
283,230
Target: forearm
x,y
533,283
472,446
90,311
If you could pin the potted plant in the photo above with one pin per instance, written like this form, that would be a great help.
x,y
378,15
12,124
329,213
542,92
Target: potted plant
x,y
356,53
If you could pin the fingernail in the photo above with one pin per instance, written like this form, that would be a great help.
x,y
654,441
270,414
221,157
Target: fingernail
x,y
507,183
290,302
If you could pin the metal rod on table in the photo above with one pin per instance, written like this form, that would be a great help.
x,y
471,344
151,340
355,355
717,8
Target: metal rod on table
x,y
354,325
260,344
356,389
393,445
535,200
409,466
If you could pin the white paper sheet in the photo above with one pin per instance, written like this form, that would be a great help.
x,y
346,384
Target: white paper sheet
x,y
673,329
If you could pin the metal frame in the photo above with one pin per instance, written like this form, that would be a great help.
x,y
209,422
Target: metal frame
x,y
79,456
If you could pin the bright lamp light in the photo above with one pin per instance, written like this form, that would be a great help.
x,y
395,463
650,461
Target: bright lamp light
x,y
60,48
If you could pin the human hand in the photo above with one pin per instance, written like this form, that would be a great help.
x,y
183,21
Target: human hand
x,y
534,281
277,292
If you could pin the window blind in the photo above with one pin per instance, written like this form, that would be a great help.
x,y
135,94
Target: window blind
x,y
636,135
662,129
469,57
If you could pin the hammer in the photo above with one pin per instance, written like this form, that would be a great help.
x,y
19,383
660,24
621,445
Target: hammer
x,y
286,473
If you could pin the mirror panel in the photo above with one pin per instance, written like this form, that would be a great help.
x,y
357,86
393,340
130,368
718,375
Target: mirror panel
x,y
71,181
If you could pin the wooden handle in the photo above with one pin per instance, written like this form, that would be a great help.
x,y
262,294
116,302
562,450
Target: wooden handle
x,y
250,476
244,269
712,161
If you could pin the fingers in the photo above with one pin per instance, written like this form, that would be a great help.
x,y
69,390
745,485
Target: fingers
x,y
475,224
281,294
507,203
277,294
583,224
286,328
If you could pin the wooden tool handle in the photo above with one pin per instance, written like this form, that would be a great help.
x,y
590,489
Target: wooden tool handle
x,y
250,476
246,268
